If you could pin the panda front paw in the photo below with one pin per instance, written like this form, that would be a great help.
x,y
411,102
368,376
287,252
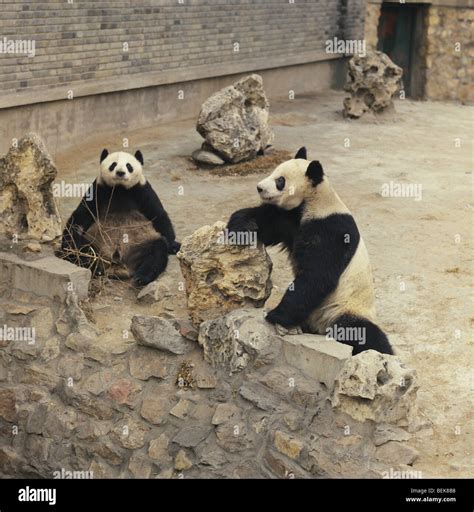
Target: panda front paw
x,y
276,317
174,247
241,223
142,278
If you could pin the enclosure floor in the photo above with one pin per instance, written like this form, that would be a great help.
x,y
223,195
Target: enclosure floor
x,y
420,250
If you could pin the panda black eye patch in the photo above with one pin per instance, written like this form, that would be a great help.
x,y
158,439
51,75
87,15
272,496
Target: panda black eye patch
x,y
130,168
280,183
113,166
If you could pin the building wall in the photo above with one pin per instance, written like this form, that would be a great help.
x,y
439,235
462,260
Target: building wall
x,y
450,53
446,46
124,63
91,42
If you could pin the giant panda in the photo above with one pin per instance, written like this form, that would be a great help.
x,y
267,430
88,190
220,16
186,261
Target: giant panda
x,y
332,292
120,227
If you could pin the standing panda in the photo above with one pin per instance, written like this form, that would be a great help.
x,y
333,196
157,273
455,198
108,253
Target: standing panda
x,y
120,227
332,292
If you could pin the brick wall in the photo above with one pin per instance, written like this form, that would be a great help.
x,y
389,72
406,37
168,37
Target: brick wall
x,y
83,42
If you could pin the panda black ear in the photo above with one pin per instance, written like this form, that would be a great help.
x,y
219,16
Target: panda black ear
x,y
301,153
139,156
315,172
103,155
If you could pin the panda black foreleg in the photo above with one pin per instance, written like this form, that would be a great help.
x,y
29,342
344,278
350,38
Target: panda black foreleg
x,y
361,334
152,261
272,224
303,296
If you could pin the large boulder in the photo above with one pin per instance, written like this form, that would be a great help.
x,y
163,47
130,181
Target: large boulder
x,y
372,80
376,387
27,207
234,120
221,277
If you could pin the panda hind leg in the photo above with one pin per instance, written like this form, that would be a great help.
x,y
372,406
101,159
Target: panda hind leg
x,y
361,334
151,259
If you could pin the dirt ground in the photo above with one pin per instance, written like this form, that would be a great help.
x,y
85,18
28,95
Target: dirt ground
x,y
421,250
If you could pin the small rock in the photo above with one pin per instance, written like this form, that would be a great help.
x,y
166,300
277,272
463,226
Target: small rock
x,y
182,461
34,247
139,467
233,437
287,445
153,292
260,397
100,470
155,408
186,329
206,380
207,157
395,453
158,449
160,334
189,437
146,363
181,409
130,433
385,433
225,413
124,391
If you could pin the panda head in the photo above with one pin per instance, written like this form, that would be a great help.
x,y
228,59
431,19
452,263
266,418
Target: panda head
x,y
121,169
291,182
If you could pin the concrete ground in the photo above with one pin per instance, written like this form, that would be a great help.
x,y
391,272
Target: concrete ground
x,y
421,250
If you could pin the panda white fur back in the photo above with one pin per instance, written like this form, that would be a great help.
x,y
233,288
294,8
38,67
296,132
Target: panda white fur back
x,y
120,228
332,292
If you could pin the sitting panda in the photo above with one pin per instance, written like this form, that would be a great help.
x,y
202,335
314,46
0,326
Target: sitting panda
x,y
332,292
120,227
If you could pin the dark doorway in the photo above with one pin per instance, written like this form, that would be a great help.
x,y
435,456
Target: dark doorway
x,y
401,35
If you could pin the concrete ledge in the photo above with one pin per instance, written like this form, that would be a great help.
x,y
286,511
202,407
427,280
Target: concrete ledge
x,y
166,77
49,276
316,356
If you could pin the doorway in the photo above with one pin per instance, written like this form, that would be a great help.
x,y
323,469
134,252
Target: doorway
x,y
401,35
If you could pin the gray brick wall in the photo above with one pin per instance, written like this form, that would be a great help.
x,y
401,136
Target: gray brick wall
x,y
83,41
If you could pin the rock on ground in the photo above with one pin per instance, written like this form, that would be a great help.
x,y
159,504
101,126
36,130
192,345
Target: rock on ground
x,y
28,209
159,333
221,277
372,80
377,387
234,120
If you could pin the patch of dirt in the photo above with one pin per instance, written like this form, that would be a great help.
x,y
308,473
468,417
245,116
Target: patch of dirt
x,y
263,163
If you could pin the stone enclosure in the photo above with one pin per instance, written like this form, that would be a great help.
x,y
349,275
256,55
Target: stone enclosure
x,y
221,394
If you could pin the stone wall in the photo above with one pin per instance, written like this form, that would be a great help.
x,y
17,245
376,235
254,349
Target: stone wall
x,y
372,15
445,49
164,401
450,52
118,44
